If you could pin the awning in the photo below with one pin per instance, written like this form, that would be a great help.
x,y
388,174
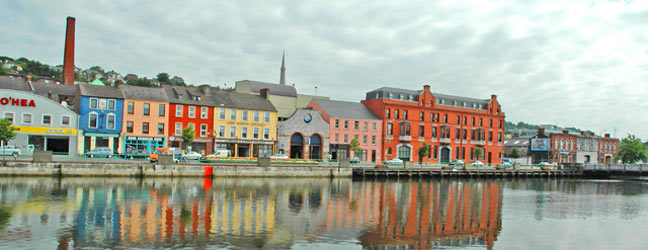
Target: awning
x,y
100,134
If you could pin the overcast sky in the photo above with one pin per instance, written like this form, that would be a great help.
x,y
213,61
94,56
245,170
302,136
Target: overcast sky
x,y
571,63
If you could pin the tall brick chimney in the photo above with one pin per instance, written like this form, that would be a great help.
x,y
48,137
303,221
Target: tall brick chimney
x,y
68,56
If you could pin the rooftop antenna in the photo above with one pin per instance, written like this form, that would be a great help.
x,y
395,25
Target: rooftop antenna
x,y
315,90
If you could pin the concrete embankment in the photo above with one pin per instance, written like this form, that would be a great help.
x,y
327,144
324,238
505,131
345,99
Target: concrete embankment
x,y
151,170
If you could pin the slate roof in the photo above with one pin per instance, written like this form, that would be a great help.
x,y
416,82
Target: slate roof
x,y
517,142
448,100
275,89
143,93
43,89
189,95
347,110
100,91
14,83
243,101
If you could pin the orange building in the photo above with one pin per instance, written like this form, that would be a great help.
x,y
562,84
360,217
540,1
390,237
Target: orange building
x,y
454,126
146,116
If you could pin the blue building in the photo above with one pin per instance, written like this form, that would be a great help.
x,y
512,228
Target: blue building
x,y
101,110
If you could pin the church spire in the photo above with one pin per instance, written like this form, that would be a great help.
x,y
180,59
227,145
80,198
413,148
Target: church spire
x,y
282,80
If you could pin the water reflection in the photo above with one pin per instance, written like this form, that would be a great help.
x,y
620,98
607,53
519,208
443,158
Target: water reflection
x,y
282,213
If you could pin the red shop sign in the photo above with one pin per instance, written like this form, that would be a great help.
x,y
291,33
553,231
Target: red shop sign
x,y
4,101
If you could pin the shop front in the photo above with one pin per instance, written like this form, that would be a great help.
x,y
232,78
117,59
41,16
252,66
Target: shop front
x,y
57,140
201,145
143,143
246,148
92,140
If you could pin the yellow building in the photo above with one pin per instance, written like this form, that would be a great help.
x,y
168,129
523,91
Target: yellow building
x,y
245,124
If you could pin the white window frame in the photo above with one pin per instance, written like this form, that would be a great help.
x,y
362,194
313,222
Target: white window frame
x,y
108,119
232,132
69,120
13,116
266,133
244,115
233,114
128,104
221,128
203,112
222,114
246,131
203,130
266,117
255,133
178,111
114,104
89,119
133,127
178,128
158,128
96,101
191,112
31,118
256,116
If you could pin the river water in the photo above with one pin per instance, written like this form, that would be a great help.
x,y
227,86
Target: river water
x,y
250,213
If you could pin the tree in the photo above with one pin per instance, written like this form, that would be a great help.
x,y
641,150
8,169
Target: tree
x,y
423,151
163,77
478,153
97,68
188,135
354,145
632,150
515,153
7,132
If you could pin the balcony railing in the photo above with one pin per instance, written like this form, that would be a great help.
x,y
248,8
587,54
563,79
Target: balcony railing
x,y
405,138
444,140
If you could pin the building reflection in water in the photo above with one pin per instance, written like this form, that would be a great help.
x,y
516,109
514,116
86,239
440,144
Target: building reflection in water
x,y
253,213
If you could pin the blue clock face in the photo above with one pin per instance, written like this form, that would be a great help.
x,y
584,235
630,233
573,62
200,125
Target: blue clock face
x,y
308,118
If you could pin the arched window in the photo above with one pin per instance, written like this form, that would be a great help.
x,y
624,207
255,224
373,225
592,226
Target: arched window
x,y
92,120
110,121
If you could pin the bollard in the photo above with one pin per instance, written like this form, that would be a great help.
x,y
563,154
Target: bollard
x,y
207,171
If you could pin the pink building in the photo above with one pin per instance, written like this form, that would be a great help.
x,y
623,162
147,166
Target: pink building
x,y
348,121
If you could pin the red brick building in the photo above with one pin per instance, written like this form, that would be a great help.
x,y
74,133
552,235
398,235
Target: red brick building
x,y
190,106
454,126
607,149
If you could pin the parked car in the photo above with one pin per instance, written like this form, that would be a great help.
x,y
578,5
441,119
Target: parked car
x,y
355,160
100,152
279,157
393,162
176,152
504,165
219,154
136,153
478,163
456,163
9,150
191,155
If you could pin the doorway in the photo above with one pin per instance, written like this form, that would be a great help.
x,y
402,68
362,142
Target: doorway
x,y
315,147
296,146
445,154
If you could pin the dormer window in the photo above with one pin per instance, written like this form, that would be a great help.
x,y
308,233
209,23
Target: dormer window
x,y
410,97
400,96
463,104
377,95
179,96
454,103
391,96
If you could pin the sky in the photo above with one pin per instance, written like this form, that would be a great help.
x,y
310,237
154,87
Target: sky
x,y
571,63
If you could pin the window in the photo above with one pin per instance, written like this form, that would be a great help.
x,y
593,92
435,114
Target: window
x,y
458,119
373,126
389,151
161,110
256,116
178,128
111,104
389,129
465,120
373,140
405,114
356,125
92,119
365,126
490,135
499,137
500,123
445,118
346,138
160,130
337,123
421,131
221,114
130,108
244,133
203,130
337,138
434,132
434,153
129,127
266,117
244,115
255,133
147,109
432,117
386,113
395,113
204,113
192,112
233,114
94,103
232,132
480,122
266,133
364,140
145,127
457,133
490,123
473,120
10,116
221,130
47,119
65,120
110,121
404,129
421,116
465,134
178,110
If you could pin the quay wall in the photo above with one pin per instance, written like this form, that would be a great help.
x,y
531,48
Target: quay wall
x,y
152,170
